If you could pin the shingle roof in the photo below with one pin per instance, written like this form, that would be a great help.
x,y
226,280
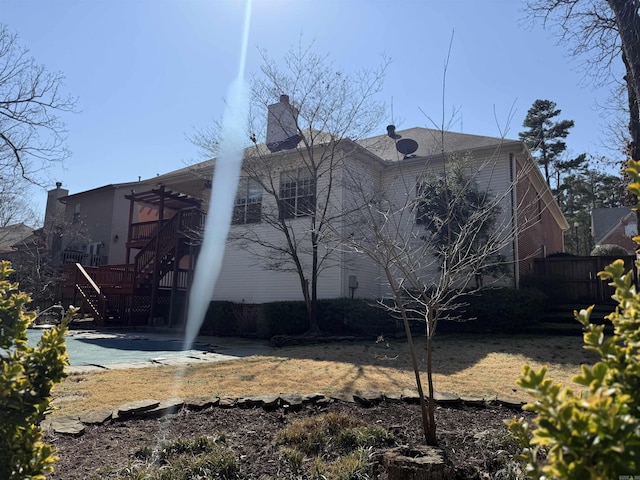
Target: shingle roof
x,y
12,234
605,219
430,142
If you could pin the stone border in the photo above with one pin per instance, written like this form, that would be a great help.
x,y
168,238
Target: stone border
x,y
75,426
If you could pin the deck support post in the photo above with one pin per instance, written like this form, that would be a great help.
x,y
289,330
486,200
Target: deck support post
x,y
156,266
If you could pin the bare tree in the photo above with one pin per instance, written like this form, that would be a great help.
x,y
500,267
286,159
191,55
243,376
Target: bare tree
x,y
38,259
15,207
32,135
291,175
601,31
438,233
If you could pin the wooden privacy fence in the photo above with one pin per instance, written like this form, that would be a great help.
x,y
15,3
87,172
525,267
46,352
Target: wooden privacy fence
x,y
577,277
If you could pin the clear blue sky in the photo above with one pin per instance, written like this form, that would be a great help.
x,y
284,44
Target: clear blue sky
x,y
148,72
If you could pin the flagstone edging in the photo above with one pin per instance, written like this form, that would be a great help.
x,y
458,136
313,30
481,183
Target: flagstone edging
x,y
76,426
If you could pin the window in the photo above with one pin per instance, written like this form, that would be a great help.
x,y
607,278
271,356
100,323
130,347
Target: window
x,y
93,248
297,193
248,205
539,209
630,229
76,213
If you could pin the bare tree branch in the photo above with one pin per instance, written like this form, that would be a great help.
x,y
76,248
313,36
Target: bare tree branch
x,y
32,135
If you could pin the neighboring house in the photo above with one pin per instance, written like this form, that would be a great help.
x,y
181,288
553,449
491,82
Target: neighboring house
x,y
161,223
615,226
10,237
100,220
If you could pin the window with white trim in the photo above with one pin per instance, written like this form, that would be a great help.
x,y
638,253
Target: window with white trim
x,y
297,193
248,205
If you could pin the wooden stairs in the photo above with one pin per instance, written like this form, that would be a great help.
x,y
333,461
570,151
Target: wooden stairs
x,y
147,288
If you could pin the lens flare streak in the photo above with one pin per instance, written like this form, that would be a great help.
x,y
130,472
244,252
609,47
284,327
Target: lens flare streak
x,y
223,191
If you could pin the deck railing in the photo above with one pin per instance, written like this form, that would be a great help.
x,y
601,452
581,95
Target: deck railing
x,y
182,279
144,231
109,291
113,276
90,291
184,223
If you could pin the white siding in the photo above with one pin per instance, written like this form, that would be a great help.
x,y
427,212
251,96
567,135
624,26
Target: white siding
x,y
242,280
489,169
361,180
246,275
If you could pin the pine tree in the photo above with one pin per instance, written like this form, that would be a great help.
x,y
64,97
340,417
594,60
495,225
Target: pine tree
x,y
544,136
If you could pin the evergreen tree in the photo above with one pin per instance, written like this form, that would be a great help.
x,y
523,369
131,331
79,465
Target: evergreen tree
x,y
580,192
544,137
451,206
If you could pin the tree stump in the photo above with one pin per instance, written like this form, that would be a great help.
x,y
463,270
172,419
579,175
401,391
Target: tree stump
x,y
416,463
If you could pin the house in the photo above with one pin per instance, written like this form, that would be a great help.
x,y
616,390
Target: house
x,y
615,226
10,237
145,278
99,219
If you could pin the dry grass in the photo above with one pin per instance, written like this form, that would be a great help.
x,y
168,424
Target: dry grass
x,y
474,365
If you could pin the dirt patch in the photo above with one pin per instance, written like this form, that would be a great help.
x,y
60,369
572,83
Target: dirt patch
x,y
474,439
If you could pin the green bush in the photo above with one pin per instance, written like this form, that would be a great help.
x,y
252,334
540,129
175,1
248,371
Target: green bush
x,y
219,320
354,316
286,318
27,376
609,250
502,310
595,434
337,316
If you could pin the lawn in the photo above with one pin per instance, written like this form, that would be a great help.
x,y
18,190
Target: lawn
x,y
468,365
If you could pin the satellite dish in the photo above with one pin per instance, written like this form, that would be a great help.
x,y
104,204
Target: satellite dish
x,y
406,146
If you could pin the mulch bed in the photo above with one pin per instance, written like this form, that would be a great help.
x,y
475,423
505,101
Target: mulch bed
x,y
472,437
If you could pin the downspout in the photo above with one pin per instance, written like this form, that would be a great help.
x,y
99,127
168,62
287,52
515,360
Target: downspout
x,y
514,219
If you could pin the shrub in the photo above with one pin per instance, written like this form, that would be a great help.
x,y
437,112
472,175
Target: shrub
x,y
286,318
337,316
27,376
552,287
595,434
354,316
503,310
219,319
609,250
